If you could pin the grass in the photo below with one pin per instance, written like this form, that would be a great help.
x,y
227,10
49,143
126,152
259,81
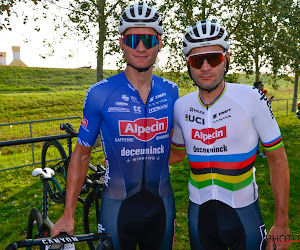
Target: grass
x,y
34,93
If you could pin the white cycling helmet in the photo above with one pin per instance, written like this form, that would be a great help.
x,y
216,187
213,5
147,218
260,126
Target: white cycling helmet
x,y
140,15
205,33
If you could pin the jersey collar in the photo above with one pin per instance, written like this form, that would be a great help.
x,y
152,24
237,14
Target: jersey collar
x,y
130,85
208,105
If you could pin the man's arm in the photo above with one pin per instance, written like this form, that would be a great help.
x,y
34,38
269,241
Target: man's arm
x,y
280,181
77,171
176,155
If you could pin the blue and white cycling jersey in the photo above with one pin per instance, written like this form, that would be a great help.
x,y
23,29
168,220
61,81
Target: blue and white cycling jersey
x,y
135,136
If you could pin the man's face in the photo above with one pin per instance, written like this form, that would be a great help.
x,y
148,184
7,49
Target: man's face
x,y
140,57
207,76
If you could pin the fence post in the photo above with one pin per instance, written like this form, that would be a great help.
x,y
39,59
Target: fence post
x,y
32,144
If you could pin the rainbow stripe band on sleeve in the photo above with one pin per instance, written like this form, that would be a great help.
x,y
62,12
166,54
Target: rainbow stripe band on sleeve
x,y
178,146
272,145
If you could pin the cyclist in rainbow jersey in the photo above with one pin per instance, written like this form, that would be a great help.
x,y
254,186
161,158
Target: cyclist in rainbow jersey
x,y
218,128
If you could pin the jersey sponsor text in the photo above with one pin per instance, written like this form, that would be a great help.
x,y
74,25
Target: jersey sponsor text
x,y
158,108
143,129
193,118
84,122
210,150
209,135
143,151
124,140
118,109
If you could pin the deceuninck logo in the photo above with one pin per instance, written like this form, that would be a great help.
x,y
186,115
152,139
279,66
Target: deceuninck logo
x,y
143,129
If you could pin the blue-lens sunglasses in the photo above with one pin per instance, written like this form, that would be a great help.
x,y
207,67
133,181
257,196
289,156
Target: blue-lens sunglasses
x,y
149,40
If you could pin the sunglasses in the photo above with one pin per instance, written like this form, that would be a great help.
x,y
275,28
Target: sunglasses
x,y
214,58
149,40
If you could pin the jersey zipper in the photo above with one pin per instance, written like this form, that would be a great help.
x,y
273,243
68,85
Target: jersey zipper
x,y
207,105
145,145
143,185
209,146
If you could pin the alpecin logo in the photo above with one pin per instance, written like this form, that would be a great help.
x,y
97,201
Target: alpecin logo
x,y
209,135
144,129
84,122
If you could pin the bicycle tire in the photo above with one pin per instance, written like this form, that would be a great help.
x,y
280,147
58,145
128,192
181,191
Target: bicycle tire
x,y
35,223
54,157
91,214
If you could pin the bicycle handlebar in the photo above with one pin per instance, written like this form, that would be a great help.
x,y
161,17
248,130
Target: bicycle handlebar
x,y
68,127
62,239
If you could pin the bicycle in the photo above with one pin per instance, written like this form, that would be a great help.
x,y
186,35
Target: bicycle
x,y
39,224
54,157
95,182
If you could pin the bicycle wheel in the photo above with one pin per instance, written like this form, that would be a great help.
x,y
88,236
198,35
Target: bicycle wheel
x,y
34,228
54,156
91,214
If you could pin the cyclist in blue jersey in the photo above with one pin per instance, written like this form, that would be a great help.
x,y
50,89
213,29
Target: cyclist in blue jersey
x,y
133,112
218,128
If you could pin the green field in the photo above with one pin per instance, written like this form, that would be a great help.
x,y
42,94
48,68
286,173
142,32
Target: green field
x,y
34,93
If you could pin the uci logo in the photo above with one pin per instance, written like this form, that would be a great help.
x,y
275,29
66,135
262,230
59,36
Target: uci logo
x,y
193,118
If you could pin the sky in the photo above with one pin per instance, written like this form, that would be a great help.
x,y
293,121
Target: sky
x,y
32,45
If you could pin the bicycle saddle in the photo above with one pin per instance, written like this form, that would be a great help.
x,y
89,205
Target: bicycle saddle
x,y
46,172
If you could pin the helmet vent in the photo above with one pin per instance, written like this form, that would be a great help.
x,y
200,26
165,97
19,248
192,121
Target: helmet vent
x,y
140,9
148,12
221,33
212,31
132,12
196,32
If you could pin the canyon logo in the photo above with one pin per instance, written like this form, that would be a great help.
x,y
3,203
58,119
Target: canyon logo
x,y
209,135
143,129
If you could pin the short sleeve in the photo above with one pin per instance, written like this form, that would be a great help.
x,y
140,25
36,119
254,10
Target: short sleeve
x,y
177,138
91,120
265,122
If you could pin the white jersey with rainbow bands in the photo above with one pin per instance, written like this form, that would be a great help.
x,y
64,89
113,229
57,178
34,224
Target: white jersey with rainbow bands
x,y
221,141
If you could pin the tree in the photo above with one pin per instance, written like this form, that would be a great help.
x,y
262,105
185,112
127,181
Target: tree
x,y
285,52
93,20
100,16
254,36
6,10
178,15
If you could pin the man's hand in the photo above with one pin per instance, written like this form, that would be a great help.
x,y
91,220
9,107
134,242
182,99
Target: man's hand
x,y
277,234
64,224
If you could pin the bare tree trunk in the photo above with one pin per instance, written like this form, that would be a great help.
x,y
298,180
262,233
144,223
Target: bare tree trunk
x,y
101,40
203,9
294,106
256,68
